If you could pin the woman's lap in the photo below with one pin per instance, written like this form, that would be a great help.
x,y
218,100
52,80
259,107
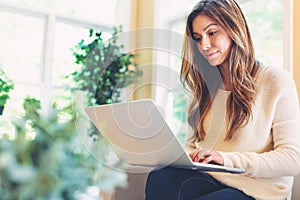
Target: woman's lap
x,y
225,194
175,183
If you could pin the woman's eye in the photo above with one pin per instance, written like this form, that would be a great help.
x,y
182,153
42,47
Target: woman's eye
x,y
212,33
197,39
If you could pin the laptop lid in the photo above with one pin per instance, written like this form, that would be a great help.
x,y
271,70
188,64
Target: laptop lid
x,y
140,136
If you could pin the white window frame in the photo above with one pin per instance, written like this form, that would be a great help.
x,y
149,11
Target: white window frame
x,y
51,18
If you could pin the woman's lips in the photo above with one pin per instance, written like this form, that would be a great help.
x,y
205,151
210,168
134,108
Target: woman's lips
x,y
209,55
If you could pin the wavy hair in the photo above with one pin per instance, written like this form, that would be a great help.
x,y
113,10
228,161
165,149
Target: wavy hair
x,y
203,80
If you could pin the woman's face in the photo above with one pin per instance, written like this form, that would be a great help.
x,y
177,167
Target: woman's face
x,y
212,40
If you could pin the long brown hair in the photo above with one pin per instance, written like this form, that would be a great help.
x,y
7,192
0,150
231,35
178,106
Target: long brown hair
x,y
203,80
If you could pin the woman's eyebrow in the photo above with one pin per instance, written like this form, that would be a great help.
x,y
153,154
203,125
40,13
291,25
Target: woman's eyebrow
x,y
209,25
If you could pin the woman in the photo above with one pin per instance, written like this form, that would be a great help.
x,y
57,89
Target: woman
x,y
242,114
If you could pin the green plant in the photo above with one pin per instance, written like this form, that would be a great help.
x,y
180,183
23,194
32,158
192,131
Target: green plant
x,y
6,85
30,103
104,68
47,159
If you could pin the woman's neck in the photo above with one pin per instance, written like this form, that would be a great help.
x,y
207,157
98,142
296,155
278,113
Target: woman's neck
x,y
225,73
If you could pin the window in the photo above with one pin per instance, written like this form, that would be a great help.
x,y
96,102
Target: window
x,y
21,55
96,11
37,38
270,26
66,36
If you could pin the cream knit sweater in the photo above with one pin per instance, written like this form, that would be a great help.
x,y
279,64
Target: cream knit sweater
x,y
268,148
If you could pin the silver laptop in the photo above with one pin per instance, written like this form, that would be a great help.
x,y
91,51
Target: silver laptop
x,y
141,136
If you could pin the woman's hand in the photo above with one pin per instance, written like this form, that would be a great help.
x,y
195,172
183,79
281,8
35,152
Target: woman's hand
x,y
205,156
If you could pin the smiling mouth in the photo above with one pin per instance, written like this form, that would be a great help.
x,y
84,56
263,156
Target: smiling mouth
x,y
209,55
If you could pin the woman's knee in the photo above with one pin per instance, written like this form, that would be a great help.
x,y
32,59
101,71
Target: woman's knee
x,y
159,184
160,176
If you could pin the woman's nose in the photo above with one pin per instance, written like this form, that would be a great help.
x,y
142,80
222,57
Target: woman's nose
x,y
205,44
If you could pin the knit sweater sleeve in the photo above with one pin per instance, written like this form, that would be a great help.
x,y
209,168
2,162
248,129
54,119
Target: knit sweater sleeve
x,y
282,105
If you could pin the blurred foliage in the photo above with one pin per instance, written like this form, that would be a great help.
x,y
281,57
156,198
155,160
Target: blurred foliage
x,y
31,103
180,106
6,85
55,164
105,69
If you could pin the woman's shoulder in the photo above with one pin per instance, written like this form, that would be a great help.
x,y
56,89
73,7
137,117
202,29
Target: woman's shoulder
x,y
274,76
274,82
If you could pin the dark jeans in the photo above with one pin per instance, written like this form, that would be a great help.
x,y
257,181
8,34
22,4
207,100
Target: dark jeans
x,y
184,184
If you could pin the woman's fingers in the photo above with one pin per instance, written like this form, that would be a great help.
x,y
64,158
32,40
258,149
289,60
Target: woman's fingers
x,y
198,155
194,154
208,159
214,158
205,156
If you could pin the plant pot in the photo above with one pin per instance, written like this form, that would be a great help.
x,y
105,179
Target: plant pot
x,y
1,110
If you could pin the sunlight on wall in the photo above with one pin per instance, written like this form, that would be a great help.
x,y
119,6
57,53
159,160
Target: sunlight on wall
x,y
297,44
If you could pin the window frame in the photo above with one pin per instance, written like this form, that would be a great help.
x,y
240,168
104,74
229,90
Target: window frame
x,y
50,18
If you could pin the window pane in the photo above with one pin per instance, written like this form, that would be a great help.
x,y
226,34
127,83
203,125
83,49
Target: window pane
x,y
36,4
21,38
265,23
97,11
66,38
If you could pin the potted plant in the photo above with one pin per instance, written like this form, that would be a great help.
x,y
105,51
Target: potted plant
x,y
47,160
6,85
104,68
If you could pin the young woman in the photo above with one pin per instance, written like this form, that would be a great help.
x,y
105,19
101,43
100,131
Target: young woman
x,y
242,114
